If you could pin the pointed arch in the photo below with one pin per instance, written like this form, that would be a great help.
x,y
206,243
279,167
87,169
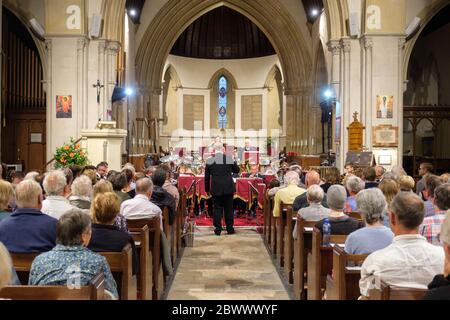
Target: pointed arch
x,y
171,84
218,74
274,80
337,15
213,86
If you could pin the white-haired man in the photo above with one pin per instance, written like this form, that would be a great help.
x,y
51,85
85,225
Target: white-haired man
x,y
55,186
219,182
287,195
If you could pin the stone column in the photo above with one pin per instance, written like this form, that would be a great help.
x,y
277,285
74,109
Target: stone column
x,y
401,50
102,71
111,74
49,95
367,101
81,84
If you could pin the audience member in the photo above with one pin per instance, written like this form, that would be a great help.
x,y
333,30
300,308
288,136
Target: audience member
x,y
410,261
169,187
55,186
287,194
70,258
332,176
101,170
6,195
390,189
315,211
431,225
161,197
27,229
425,168
406,183
370,176
445,177
106,237
439,288
81,192
6,267
379,171
353,185
339,221
431,183
130,186
312,178
119,181
374,236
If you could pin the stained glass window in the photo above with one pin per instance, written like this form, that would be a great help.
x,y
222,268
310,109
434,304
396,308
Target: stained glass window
x,y
222,107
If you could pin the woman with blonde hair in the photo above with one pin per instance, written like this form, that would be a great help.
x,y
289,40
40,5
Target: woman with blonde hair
x,y
390,188
102,187
406,183
6,195
6,267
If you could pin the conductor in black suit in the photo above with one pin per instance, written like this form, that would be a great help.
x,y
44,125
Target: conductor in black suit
x,y
219,183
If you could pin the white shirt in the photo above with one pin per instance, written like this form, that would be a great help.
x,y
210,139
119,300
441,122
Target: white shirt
x,y
410,261
56,206
140,208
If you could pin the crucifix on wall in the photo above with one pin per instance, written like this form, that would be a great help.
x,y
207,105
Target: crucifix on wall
x,y
99,87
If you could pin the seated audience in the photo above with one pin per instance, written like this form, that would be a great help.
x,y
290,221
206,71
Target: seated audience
x,y
406,183
27,229
431,183
101,170
119,181
70,260
6,195
410,261
312,178
379,171
104,186
315,211
140,207
445,177
130,186
6,267
31,175
339,221
106,237
55,186
332,176
161,197
425,168
354,185
390,188
81,192
431,226
169,187
370,176
374,236
439,288
398,171
287,194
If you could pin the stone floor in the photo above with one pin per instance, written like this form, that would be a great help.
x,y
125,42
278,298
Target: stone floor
x,y
229,267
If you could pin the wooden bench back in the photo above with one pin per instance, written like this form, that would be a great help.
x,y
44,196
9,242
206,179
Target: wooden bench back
x,y
22,263
320,263
288,243
94,291
154,229
396,293
121,264
302,246
344,283
141,239
355,215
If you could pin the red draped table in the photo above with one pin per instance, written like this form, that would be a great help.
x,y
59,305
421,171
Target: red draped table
x,y
246,188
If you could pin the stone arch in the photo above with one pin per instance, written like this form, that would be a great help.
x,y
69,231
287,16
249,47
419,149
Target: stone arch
x,y
170,76
176,15
113,16
276,75
426,15
222,72
337,14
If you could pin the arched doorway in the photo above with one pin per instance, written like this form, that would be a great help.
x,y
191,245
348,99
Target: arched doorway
x,y
427,98
23,122
175,16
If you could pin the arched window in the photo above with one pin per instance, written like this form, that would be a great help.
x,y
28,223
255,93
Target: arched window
x,y
223,102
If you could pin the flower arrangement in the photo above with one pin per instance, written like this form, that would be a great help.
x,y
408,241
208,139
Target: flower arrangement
x,y
70,154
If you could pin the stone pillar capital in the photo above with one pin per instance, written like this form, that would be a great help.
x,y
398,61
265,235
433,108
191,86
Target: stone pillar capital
x,y
345,45
367,42
334,46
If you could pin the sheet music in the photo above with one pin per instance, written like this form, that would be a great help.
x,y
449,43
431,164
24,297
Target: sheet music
x,y
340,245
137,243
308,229
355,268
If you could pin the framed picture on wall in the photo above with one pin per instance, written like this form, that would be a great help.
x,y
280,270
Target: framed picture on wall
x,y
385,107
385,136
63,107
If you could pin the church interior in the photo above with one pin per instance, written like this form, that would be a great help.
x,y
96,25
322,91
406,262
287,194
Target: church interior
x,y
335,112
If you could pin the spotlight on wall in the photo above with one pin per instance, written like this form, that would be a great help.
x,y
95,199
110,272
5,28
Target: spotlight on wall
x,y
133,12
314,12
327,94
129,91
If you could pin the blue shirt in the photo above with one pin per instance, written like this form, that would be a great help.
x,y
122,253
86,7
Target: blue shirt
x,y
4,215
351,202
368,240
28,230
428,208
74,265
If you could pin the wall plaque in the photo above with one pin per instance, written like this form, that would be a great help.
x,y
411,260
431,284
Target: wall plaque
x,y
385,136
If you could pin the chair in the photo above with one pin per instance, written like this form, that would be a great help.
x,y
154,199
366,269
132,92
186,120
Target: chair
x,y
343,284
121,265
94,291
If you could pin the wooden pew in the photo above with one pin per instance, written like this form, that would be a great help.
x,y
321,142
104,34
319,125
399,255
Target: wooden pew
x,y
355,215
320,263
290,219
181,216
155,248
343,284
396,293
266,218
302,246
94,291
273,229
141,239
22,263
121,265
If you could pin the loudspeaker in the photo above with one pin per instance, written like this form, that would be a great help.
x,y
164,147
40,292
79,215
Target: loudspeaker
x,y
37,28
353,24
96,26
412,28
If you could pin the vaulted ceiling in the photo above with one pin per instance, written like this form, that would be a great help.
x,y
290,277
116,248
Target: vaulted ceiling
x,y
223,33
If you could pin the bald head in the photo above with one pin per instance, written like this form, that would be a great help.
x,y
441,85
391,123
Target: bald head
x,y
144,186
312,178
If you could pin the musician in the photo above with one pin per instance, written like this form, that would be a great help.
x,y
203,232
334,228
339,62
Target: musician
x,y
219,183
247,147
